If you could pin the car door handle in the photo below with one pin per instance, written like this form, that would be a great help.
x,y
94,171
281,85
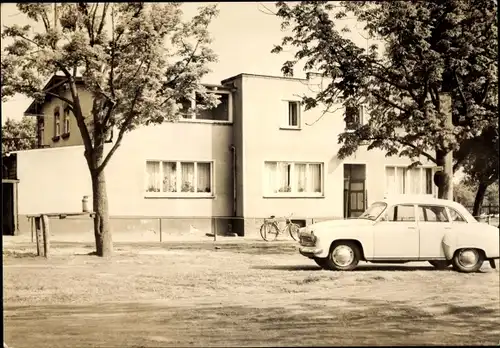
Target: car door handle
x,y
411,228
447,228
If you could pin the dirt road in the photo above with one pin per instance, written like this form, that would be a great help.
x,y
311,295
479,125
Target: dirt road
x,y
252,294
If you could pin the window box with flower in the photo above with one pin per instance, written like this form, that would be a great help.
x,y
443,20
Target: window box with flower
x,y
178,179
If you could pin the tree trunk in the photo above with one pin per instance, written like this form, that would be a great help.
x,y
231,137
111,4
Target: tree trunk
x,y
478,201
445,186
444,157
102,232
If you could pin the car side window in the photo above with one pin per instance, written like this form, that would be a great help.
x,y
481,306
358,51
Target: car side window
x,y
455,215
432,213
401,213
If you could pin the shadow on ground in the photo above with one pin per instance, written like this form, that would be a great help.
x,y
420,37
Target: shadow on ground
x,y
363,322
360,268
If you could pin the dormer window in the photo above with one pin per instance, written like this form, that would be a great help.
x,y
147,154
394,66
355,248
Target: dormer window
x,y
353,117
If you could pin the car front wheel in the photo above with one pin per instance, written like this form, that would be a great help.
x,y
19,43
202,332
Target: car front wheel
x,y
344,256
468,260
440,264
321,262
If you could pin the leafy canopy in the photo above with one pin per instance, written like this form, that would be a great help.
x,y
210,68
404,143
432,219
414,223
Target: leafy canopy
x,y
428,48
139,60
19,135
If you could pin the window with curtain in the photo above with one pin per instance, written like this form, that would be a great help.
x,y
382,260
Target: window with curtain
x,y
57,122
169,177
203,178
153,176
66,121
415,181
301,177
187,177
179,178
400,180
293,178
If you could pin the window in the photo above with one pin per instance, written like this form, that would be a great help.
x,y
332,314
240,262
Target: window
x,y
57,122
195,108
455,215
66,121
353,117
400,180
373,212
293,114
432,213
401,213
179,178
290,178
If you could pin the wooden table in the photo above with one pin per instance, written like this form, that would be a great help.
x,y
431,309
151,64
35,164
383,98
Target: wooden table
x,y
40,224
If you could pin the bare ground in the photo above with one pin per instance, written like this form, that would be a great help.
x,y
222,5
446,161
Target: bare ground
x,y
236,294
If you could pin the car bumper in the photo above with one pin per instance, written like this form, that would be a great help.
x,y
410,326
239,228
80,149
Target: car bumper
x,y
310,251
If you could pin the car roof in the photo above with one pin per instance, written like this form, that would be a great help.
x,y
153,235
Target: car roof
x,y
428,199
418,199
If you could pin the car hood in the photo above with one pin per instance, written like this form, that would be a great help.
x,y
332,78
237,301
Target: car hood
x,y
336,224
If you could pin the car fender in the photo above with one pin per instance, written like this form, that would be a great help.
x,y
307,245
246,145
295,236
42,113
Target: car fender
x,y
361,235
482,238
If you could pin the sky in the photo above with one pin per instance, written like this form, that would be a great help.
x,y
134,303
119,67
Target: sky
x,y
244,34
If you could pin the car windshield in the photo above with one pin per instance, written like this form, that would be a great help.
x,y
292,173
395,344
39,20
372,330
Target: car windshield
x,y
373,212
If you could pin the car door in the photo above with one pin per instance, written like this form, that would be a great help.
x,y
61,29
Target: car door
x,y
396,234
433,223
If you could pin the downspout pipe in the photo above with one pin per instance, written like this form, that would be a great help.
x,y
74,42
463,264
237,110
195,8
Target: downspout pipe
x,y
233,165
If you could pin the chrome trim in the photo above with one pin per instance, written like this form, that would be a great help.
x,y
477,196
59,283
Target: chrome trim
x,y
310,251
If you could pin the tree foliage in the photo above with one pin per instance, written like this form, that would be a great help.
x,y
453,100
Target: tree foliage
x,y
428,48
139,60
19,135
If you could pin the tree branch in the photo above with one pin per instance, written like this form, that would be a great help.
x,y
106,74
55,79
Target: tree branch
x,y
404,143
387,101
56,85
461,92
121,133
61,98
101,25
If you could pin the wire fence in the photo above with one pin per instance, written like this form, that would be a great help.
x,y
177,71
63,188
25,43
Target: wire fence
x,y
167,227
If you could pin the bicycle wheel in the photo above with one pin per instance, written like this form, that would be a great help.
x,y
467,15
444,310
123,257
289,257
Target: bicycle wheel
x,y
293,230
268,231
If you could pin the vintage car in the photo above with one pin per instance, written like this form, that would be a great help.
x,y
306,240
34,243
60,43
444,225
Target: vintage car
x,y
402,229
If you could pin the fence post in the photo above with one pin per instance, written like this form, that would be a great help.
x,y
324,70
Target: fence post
x,y
161,237
38,228
32,223
46,235
214,228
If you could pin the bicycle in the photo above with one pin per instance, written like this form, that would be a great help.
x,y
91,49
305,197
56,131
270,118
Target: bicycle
x,y
270,228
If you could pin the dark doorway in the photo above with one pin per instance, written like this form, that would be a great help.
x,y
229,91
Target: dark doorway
x,y
9,211
354,190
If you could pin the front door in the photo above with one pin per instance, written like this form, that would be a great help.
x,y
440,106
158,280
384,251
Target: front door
x,y
396,235
354,190
433,224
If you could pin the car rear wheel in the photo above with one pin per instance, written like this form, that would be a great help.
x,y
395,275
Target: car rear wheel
x,y
344,256
468,260
440,264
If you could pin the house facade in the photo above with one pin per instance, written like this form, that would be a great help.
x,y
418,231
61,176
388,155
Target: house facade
x,y
258,153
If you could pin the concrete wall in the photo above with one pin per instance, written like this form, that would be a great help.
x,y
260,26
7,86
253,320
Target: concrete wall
x,y
54,180
264,112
